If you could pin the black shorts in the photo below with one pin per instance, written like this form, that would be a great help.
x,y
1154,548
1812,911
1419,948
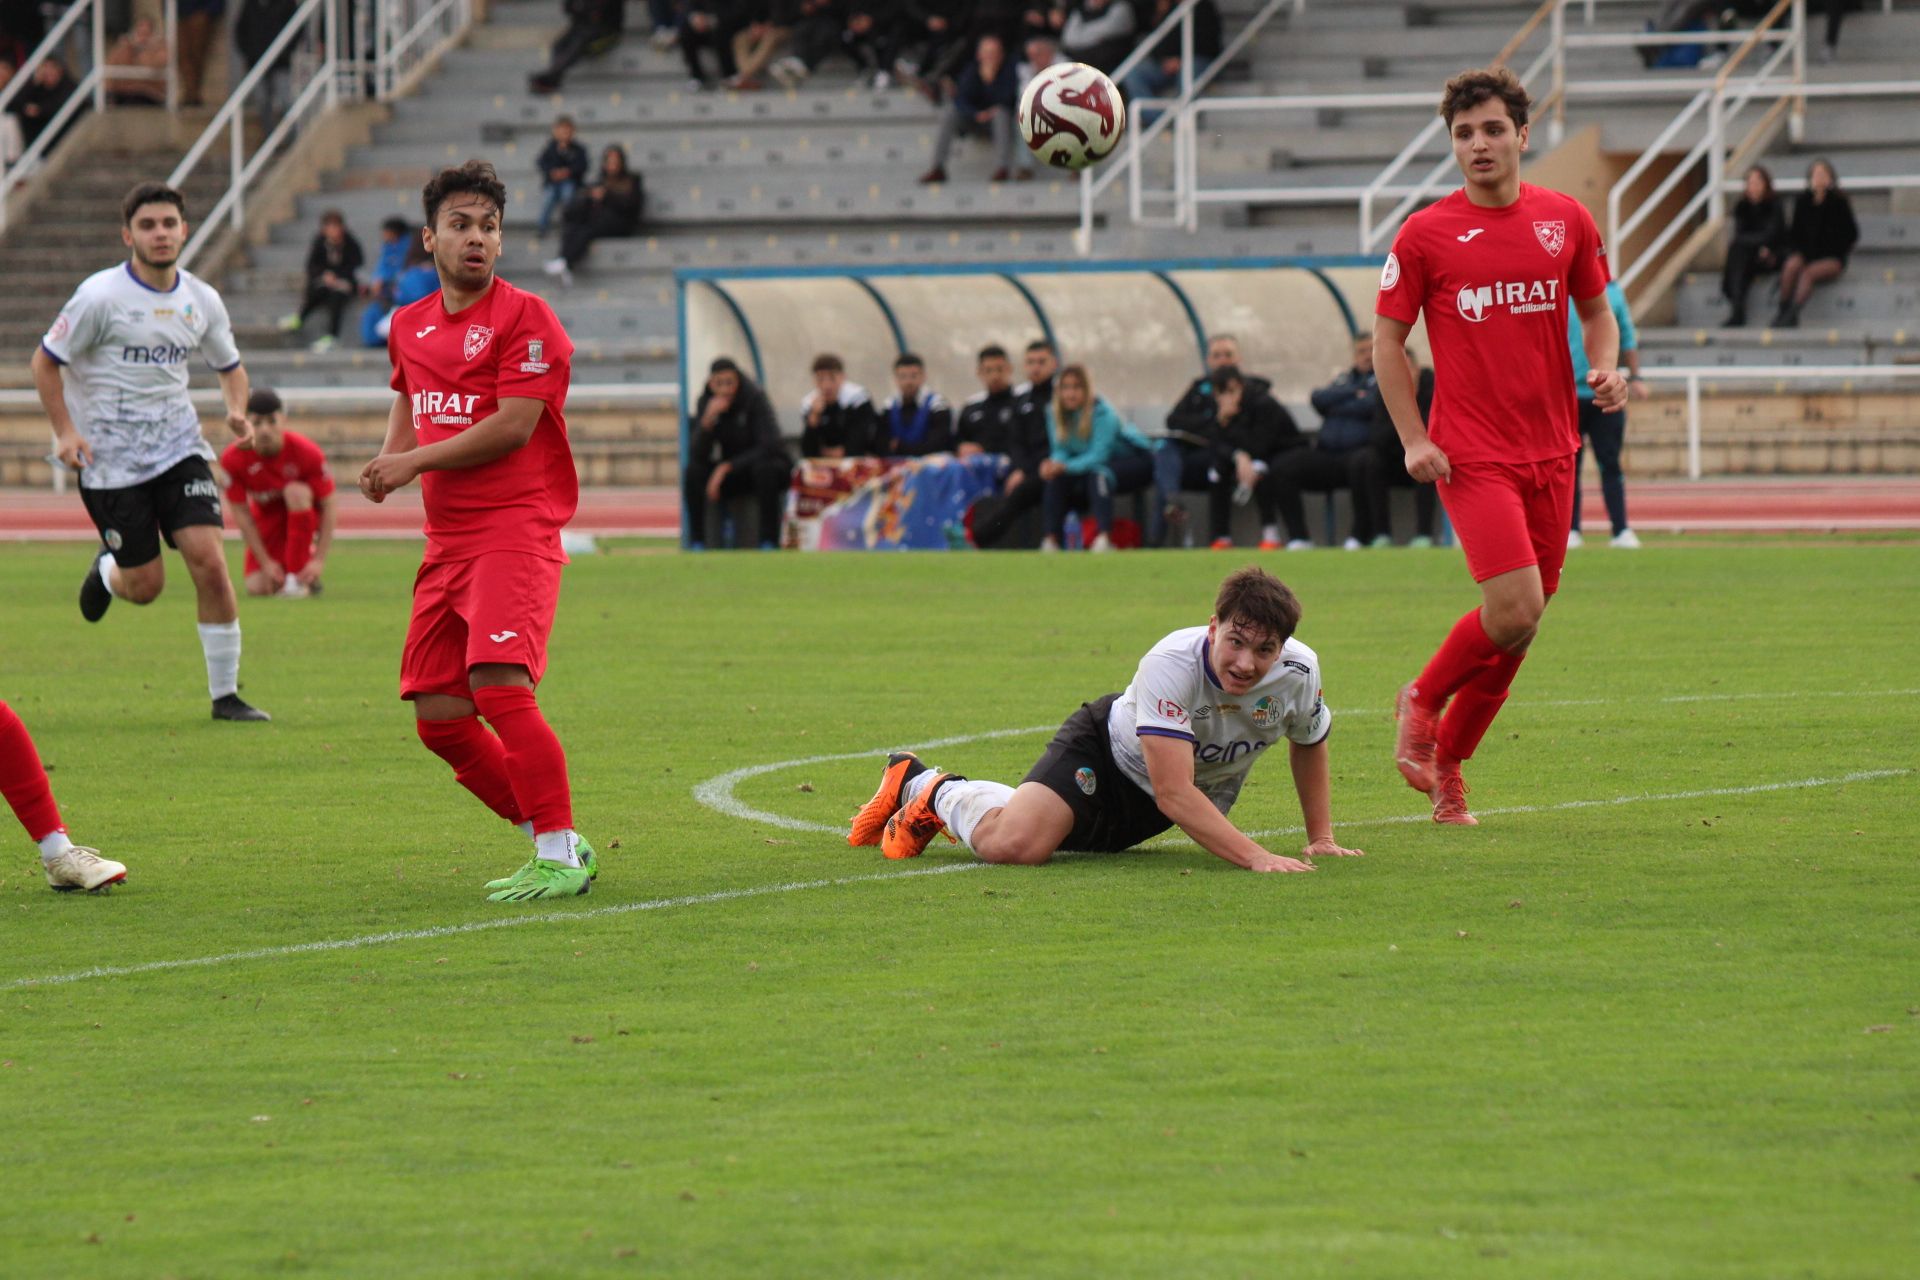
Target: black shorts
x,y
1110,811
133,520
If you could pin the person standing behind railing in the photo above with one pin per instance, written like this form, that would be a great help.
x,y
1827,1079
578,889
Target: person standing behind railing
x,y
1757,243
1821,239
255,27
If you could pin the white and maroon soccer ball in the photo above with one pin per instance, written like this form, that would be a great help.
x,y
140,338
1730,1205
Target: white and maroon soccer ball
x,y
1071,115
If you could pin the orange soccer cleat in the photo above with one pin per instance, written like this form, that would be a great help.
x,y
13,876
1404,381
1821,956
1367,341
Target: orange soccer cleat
x,y
1449,796
1414,740
902,767
914,825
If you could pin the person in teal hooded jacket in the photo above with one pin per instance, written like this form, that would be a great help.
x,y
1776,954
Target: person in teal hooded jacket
x,y
1095,455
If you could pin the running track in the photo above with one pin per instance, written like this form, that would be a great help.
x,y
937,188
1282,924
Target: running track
x,y
1816,503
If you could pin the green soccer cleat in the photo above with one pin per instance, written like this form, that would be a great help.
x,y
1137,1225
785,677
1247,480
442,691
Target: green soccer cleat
x,y
588,859
541,879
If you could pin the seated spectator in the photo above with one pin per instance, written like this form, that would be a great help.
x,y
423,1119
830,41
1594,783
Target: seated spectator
x,y
825,28
984,100
1040,52
1819,241
710,25
1340,452
1093,456
1098,32
255,28
1158,75
1253,431
768,31
1041,363
333,267
385,280
915,421
664,17
610,208
998,420
837,413
563,167
1387,468
593,27
930,43
735,449
41,99
1189,458
1606,432
1756,244
144,47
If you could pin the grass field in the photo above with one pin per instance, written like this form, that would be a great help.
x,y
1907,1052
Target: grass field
x,y
1658,1017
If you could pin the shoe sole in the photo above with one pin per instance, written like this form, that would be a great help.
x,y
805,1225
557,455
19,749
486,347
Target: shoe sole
x,y
99,888
870,824
1419,776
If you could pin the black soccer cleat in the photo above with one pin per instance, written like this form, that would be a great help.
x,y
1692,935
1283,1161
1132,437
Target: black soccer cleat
x,y
233,707
94,596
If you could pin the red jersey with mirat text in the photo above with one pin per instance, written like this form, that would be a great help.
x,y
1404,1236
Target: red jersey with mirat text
x,y
456,369
1495,286
256,478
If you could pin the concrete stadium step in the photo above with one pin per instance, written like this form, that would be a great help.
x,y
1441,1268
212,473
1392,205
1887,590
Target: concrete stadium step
x,y
1852,302
1670,347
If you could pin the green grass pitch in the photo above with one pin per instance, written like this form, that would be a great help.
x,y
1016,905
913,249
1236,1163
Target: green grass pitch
x,y
1673,1036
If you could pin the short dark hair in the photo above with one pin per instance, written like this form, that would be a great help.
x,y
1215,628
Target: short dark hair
x,y
264,401
563,120
725,364
475,176
150,193
1259,601
333,215
398,226
1042,344
1471,88
827,362
908,360
992,351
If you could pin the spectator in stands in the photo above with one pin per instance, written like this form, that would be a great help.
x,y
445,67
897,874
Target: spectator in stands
x,y
41,99
837,415
824,28
1092,456
735,449
1041,52
384,282
1606,431
193,36
12,141
764,37
609,209
22,27
1340,454
985,99
931,43
1041,363
1836,11
1098,32
996,420
664,17
563,167
1189,459
255,27
710,25
143,47
1158,74
1252,429
915,421
1820,241
333,267
1757,243
1387,468
593,27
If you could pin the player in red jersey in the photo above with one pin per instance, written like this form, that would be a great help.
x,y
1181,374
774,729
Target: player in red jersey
x,y
481,370
1493,267
23,781
281,496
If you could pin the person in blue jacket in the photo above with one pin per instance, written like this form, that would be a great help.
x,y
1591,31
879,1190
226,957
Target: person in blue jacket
x,y
1607,432
1094,456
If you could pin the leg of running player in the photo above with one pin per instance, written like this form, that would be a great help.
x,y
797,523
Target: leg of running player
x,y
537,766
23,781
140,584
201,546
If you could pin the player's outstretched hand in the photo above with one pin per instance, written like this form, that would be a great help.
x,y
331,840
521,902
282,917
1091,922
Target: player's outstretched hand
x,y
1427,464
1609,389
1329,848
74,450
1274,862
241,426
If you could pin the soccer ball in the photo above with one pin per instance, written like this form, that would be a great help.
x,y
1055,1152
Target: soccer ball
x,y
1071,115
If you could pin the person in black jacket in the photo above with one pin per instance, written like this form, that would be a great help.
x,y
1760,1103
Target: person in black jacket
x,y
593,27
1191,457
999,420
1158,74
915,421
333,267
255,27
984,100
609,208
41,99
734,449
930,42
1253,431
837,415
1340,453
712,25
1388,466
1756,244
1821,239
563,167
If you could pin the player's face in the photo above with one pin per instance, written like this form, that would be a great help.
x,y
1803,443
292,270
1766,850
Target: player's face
x,y
724,385
1222,352
465,241
1486,145
908,379
1039,366
1241,656
996,374
156,233
828,383
267,438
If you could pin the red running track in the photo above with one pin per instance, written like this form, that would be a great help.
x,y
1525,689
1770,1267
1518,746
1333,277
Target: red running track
x,y
1818,503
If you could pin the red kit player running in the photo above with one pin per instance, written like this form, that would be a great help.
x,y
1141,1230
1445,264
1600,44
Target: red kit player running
x,y
281,496
1493,267
481,370
23,781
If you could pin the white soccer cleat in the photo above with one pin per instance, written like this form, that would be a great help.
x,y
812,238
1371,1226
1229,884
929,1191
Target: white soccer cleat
x,y
82,868
1102,543
294,589
1300,544
1626,540
1575,541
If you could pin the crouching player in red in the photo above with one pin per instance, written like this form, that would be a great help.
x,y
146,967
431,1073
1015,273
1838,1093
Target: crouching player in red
x,y
281,496
481,370
1493,267
23,781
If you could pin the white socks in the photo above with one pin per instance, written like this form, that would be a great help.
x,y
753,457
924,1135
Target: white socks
x,y
557,846
962,802
525,829
53,846
220,641
106,572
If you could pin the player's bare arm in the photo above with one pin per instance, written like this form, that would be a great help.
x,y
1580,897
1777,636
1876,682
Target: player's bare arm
x,y
1312,781
1425,462
1600,335
494,436
1170,766
72,447
400,438
329,517
242,518
234,389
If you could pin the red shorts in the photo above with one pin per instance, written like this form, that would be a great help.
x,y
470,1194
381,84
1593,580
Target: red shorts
x,y
272,524
496,607
1509,515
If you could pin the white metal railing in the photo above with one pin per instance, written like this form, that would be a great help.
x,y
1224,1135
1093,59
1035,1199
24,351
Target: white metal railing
x,y
1694,377
409,36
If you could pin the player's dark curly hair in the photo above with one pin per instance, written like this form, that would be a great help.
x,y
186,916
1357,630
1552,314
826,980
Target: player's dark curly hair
x,y
150,193
1258,601
475,176
1471,88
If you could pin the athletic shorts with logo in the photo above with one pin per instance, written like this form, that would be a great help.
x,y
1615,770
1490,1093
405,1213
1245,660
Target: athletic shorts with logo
x,y
492,608
1110,812
132,520
1509,515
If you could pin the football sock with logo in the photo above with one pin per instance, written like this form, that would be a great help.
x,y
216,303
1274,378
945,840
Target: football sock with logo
x,y
1473,708
299,548
1466,649
23,780
106,572
558,846
916,784
535,761
963,802
220,642
479,761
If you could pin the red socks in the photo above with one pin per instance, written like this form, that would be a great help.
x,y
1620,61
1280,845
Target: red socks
x,y
299,548
23,780
1461,656
534,759
1473,708
479,761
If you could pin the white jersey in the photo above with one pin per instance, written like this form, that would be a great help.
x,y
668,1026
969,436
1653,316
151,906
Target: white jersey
x,y
1174,694
125,346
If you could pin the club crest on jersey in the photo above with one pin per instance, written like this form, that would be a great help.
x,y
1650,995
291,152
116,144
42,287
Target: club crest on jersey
x,y
534,348
1266,713
1551,235
1084,779
478,336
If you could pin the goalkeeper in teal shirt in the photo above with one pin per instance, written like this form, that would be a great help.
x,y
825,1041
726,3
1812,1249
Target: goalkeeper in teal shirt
x,y
1606,431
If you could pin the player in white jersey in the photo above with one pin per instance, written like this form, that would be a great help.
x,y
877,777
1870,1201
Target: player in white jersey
x,y
123,419
1173,750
